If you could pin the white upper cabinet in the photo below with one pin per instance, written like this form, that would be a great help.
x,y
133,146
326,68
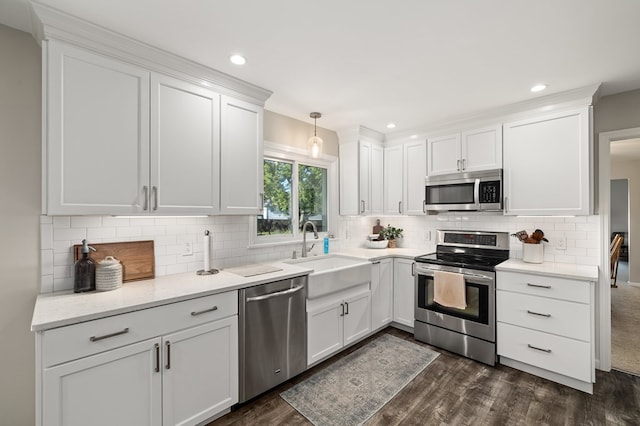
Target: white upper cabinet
x,y
415,170
473,150
546,164
393,179
184,147
241,157
361,173
96,155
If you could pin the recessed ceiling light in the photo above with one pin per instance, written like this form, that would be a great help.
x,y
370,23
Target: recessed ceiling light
x,y
391,126
414,136
238,59
538,88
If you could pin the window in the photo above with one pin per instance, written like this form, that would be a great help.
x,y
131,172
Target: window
x,y
296,190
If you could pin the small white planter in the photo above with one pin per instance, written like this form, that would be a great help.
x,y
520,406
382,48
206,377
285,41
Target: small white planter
x,y
533,253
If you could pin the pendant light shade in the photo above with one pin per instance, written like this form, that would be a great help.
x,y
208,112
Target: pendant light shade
x,y
315,142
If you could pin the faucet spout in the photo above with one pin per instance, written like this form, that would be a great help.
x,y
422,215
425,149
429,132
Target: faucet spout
x,y
304,236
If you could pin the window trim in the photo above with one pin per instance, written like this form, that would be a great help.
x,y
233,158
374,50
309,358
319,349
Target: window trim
x,y
297,156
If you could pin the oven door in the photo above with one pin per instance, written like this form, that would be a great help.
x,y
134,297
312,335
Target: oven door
x,y
477,319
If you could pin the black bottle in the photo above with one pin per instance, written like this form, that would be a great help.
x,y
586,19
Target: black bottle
x,y
85,272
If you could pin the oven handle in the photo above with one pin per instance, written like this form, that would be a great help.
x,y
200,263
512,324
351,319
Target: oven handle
x,y
475,277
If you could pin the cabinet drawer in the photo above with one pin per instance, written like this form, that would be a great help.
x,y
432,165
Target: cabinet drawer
x,y
558,354
91,337
539,285
554,316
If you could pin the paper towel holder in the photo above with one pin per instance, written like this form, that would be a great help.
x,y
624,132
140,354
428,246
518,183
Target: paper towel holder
x,y
206,270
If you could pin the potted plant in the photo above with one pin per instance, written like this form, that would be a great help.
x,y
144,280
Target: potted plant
x,y
391,233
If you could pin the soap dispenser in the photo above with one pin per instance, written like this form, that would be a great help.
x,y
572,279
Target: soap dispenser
x,y
85,271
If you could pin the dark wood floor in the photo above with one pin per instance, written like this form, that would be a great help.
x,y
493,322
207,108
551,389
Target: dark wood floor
x,y
454,390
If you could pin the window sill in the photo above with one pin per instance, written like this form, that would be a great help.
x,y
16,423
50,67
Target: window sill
x,y
259,245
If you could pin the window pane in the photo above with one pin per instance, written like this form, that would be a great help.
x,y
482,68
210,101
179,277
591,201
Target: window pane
x,y
312,196
276,212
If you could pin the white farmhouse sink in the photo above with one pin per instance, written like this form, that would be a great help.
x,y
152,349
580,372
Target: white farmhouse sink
x,y
333,273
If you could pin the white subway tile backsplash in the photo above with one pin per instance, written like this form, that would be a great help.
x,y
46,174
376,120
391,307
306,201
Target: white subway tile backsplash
x,y
65,283
86,221
46,262
115,221
61,221
46,283
46,233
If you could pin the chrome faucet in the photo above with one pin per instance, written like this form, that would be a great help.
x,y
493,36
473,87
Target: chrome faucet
x,y
304,236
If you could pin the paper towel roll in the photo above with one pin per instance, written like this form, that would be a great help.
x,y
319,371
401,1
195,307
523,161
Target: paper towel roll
x,y
207,258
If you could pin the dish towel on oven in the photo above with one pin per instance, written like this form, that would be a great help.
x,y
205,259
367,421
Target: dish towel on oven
x,y
449,290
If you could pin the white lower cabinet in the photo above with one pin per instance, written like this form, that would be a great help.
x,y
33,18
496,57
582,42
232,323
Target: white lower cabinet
x,y
545,326
381,293
337,320
182,368
403,292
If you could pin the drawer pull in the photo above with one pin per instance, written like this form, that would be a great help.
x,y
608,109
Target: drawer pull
x,y
168,366
538,285
539,314
106,336
539,349
196,313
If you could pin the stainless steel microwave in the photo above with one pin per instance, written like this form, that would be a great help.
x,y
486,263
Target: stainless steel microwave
x,y
468,191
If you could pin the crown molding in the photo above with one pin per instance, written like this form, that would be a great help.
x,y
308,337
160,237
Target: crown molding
x,y
51,24
355,134
581,96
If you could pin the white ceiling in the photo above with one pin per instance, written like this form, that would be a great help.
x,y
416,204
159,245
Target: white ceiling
x,y
370,62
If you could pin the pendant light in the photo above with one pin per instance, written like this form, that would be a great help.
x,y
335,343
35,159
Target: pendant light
x,y
315,142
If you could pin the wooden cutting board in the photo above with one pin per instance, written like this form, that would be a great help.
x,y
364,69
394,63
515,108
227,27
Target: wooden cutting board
x,y
137,257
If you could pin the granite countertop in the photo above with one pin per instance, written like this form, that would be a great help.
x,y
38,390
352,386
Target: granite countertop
x,y
563,270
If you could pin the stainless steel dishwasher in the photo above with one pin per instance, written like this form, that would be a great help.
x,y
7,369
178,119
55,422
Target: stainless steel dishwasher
x,y
273,334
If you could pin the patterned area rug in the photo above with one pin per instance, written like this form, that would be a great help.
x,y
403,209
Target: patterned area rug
x,y
354,388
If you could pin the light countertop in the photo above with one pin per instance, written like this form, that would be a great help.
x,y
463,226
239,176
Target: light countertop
x,y
562,270
65,308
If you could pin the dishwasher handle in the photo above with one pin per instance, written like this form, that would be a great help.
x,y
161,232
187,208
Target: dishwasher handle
x,y
276,294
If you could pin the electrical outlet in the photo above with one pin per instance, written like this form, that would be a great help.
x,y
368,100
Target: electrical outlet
x,y
187,249
561,243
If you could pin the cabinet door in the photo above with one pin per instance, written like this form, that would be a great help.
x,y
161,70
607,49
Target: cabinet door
x,y
241,157
97,133
403,292
415,163
482,149
376,179
349,179
324,331
118,387
381,293
184,147
393,174
357,317
546,164
364,177
200,366
444,155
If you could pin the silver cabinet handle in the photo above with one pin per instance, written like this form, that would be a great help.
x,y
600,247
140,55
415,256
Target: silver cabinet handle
x,y
106,336
196,313
538,285
347,305
424,206
261,200
157,346
377,262
276,294
413,269
168,343
458,165
464,164
145,190
154,190
361,206
400,207
539,349
539,314
342,305
506,204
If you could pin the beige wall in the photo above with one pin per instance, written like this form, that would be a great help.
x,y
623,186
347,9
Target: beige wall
x,y
289,131
631,170
617,112
20,170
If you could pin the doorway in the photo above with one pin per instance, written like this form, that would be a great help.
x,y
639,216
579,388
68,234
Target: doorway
x,y
619,171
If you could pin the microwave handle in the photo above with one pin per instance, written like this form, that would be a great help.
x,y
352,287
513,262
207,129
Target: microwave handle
x,y
476,193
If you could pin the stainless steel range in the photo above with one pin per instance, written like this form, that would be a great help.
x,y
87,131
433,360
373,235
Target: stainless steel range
x,y
471,331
